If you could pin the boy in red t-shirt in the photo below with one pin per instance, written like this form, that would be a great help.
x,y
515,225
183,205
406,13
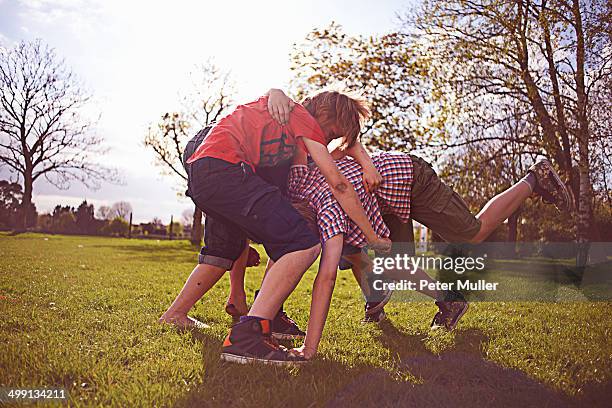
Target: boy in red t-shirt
x,y
239,204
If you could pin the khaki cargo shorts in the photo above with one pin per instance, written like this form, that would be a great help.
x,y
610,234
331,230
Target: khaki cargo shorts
x,y
438,207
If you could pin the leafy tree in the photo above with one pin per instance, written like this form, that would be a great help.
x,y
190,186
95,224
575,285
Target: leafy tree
x,y
63,220
118,226
387,70
85,220
544,57
45,223
10,198
11,211
42,133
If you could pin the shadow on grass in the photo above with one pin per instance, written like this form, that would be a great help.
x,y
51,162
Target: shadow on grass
x,y
460,377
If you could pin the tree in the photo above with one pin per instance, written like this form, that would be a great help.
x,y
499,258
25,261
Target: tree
x,y
10,206
10,197
121,209
388,72
209,102
85,220
105,213
118,226
547,56
42,133
63,220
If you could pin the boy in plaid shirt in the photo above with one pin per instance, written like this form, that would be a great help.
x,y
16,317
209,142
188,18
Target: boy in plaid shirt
x,y
336,230
408,181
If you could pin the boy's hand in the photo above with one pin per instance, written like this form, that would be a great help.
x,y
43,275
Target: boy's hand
x,y
371,178
279,106
253,258
307,353
380,244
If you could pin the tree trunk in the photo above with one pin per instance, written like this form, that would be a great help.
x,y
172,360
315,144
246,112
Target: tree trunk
x,y
565,165
26,202
513,232
584,200
586,193
196,228
550,140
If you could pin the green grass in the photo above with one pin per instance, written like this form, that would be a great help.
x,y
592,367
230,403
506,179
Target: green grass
x,y
81,313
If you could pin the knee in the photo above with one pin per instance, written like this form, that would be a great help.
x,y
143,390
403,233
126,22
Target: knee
x,y
478,238
313,252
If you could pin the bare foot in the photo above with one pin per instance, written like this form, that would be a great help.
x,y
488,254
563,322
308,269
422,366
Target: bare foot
x,y
183,322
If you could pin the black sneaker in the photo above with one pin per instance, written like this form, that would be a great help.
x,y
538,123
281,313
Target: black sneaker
x,y
550,187
250,342
451,310
378,301
375,317
284,328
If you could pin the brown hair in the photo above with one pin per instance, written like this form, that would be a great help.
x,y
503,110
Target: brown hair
x,y
307,213
346,110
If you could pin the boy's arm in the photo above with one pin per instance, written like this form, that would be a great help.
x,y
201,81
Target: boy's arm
x,y
345,193
322,291
338,153
299,158
371,176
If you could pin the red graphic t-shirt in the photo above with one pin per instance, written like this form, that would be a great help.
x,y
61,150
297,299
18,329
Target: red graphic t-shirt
x,y
250,135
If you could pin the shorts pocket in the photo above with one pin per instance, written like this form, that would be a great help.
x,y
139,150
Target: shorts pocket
x,y
274,219
457,217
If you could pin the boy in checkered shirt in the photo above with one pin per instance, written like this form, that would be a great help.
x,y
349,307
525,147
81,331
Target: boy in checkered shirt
x,y
409,183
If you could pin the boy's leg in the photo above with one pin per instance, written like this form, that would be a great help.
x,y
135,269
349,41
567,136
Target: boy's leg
x,y
541,179
199,282
235,193
402,237
437,206
452,306
223,242
283,327
280,281
499,209
236,305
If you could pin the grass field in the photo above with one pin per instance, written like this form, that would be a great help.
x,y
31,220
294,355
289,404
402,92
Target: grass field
x,y
81,313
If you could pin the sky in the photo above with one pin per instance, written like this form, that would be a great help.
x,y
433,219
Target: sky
x,y
135,58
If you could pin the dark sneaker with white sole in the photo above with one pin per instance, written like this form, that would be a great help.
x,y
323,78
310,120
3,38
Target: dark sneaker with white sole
x,y
250,341
378,302
550,187
284,328
451,310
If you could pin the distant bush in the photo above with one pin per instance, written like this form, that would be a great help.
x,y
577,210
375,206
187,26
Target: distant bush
x,y
117,227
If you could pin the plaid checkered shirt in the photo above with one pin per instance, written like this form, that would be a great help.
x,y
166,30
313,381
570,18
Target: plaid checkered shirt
x,y
391,197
